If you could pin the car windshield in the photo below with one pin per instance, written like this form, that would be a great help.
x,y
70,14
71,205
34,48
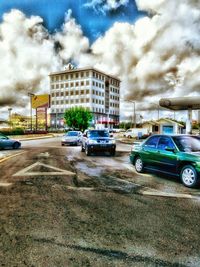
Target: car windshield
x,y
187,143
72,134
98,134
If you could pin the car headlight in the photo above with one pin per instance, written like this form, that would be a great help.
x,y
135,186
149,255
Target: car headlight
x,y
92,141
112,141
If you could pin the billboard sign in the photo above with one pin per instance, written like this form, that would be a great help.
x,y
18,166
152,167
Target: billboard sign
x,y
39,101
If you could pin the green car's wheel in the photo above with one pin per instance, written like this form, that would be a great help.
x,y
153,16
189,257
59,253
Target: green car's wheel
x,y
139,165
189,176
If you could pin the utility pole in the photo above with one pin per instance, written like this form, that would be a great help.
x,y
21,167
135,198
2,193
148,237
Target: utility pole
x,y
9,110
158,109
31,95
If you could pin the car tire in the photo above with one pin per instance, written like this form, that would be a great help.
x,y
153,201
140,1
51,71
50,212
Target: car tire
x,y
62,144
139,165
16,145
87,151
112,153
189,176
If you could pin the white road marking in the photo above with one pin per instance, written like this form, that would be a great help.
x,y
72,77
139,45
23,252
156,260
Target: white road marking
x,y
56,171
149,192
5,184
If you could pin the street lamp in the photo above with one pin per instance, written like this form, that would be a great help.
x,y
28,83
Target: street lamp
x,y
134,114
158,106
31,95
9,110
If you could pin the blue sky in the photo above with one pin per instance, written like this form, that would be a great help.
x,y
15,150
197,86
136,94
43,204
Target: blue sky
x,y
53,12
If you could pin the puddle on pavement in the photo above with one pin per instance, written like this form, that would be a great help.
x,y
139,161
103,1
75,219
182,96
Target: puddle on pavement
x,y
92,171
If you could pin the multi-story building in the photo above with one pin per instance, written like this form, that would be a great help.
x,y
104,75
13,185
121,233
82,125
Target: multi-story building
x,y
89,88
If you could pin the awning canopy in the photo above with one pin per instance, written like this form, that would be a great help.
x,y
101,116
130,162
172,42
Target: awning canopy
x,y
181,103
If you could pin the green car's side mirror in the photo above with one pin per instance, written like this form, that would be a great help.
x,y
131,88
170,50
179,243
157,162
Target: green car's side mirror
x,y
170,149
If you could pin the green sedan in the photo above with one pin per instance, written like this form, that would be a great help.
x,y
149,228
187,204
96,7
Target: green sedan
x,y
177,155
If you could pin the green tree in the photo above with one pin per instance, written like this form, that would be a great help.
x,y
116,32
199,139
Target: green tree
x,y
78,118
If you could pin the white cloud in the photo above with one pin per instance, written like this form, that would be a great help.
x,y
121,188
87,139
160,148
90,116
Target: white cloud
x,y
156,57
27,55
73,43
106,5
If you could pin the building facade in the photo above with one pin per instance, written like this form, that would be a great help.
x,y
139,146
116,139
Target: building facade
x,y
88,88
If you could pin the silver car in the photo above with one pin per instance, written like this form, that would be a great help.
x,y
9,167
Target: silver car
x,y
72,138
6,142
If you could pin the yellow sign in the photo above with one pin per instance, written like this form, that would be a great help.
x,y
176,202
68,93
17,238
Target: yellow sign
x,y
38,101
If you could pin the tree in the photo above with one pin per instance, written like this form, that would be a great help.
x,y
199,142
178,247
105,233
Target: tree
x,y
78,118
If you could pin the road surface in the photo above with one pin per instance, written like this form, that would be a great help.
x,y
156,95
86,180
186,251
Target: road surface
x,y
62,208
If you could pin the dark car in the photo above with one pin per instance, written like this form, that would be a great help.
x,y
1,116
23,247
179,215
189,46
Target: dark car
x,y
71,138
6,142
177,155
98,140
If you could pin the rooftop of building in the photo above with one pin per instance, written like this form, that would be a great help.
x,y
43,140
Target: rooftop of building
x,y
73,70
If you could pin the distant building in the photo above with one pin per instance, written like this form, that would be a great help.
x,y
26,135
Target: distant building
x,y
163,126
89,88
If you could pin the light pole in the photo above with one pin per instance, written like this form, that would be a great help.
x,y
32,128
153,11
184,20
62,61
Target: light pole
x,y
134,114
9,110
158,108
31,95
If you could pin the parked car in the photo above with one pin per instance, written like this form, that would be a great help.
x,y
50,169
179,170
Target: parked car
x,y
136,132
72,138
178,155
98,140
6,142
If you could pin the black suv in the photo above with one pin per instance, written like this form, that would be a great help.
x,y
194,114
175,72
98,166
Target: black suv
x,y
98,140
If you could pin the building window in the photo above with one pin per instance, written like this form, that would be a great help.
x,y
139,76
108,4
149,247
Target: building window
x,y
52,95
57,86
72,101
87,74
82,92
77,92
67,93
77,75
77,100
82,74
71,76
57,94
72,84
72,93
77,83
87,83
82,83
62,94
87,92
66,85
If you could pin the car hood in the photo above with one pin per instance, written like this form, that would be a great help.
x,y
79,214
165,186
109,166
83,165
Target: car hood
x,y
70,137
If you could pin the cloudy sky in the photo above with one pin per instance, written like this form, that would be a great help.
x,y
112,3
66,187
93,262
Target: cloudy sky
x,y
152,46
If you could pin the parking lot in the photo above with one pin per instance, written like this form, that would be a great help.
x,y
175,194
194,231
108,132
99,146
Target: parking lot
x,y
63,208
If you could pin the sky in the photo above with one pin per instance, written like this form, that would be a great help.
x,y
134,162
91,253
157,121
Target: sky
x,y
152,46
95,21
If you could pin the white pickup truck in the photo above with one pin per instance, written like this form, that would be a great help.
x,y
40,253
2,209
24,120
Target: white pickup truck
x,y
136,132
